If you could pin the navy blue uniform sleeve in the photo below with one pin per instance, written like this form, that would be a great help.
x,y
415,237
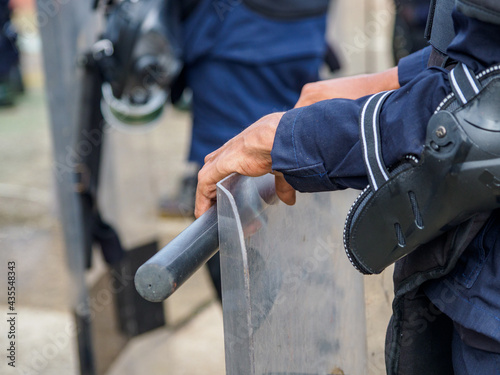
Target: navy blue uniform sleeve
x,y
412,65
317,148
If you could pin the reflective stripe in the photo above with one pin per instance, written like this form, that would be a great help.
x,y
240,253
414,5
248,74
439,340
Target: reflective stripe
x,y
370,139
378,152
365,144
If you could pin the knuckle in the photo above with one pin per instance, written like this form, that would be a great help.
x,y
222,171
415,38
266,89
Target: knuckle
x,y
306,88
201,176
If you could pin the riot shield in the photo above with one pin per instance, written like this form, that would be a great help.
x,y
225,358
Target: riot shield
x,y
64,27
292,303
69,31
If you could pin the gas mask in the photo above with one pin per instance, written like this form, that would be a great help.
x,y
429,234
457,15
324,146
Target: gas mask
x,y
139,56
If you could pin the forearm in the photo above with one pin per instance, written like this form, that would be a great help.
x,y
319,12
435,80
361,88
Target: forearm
x,y
369,84
348,87
366,84
378,82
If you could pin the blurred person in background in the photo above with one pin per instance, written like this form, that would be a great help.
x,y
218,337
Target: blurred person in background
x,y
10,74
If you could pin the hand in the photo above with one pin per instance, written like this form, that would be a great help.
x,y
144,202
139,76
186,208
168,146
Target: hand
x,y
249,154
348,87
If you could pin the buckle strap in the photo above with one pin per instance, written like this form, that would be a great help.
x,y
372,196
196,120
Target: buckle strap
x,y
464,83
370,139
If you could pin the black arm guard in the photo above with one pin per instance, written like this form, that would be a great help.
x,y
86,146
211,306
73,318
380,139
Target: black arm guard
x,y
457,175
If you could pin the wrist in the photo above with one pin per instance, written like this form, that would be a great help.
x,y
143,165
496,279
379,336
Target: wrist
x,y
261,138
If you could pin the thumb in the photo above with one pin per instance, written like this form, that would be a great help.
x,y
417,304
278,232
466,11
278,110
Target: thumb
x,y
285,192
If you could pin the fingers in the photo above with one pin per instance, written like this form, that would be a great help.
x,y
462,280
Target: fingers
x,y
286,193
249,154
203,203
206,191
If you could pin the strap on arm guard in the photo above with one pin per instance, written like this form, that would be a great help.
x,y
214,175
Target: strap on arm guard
x,y
457,175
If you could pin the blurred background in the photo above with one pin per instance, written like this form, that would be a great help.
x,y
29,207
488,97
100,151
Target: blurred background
x,y
184,335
